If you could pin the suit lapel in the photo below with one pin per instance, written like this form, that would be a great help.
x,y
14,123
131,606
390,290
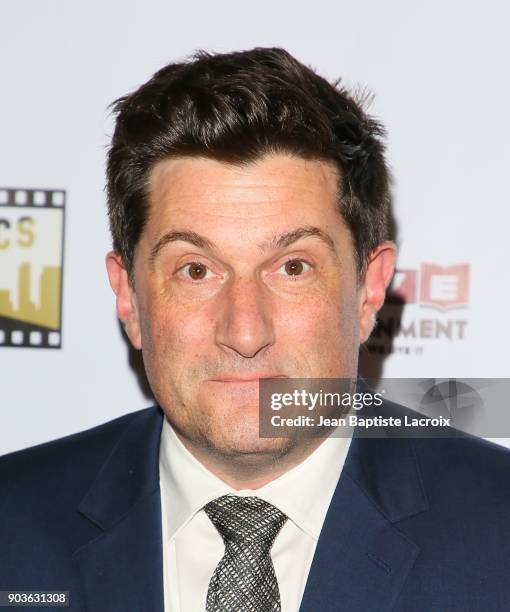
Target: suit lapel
x,y
122,569
362,560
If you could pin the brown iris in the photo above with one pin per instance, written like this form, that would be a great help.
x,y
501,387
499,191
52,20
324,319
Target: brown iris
x,y
294,267
197,271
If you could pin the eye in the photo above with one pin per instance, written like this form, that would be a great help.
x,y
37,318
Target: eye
x,y
295,267
195,270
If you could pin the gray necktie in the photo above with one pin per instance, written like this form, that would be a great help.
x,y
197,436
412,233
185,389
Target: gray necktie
x,y
244,579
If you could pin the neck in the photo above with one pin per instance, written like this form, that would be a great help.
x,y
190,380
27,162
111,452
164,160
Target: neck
x,y
252,470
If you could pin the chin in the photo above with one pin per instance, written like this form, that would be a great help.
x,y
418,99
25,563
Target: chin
x,y
243,439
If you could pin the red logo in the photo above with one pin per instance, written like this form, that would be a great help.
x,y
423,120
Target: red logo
x,y
439,287
444,288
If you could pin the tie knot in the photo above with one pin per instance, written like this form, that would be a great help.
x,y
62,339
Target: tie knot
x,y
245,520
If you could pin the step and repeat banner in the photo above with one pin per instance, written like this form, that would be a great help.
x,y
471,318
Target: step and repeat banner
x,y
440,81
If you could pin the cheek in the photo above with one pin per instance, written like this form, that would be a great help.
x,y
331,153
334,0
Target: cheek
x,y
174,346
175,335
324,326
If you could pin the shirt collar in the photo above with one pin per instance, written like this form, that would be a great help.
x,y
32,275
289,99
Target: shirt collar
x,y
303,493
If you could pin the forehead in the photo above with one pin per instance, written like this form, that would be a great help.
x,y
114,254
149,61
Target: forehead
x,y
269,185
243,211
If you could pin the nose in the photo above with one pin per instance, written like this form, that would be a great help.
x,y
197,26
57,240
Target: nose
x,y
244,323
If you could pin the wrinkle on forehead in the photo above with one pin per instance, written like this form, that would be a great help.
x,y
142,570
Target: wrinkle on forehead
x,y
236,188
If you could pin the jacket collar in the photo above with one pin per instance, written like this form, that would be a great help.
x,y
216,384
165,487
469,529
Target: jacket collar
x,y
361,560
122,568
130,473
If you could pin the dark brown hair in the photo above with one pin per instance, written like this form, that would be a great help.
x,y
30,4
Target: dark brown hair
x,y
237,107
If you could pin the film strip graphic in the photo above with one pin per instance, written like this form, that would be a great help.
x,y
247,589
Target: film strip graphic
x,y
32,223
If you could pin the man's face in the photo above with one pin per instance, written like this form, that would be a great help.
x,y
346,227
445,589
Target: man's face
x,y
242,272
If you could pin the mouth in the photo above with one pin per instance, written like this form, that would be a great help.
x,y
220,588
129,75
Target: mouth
x,y
245,378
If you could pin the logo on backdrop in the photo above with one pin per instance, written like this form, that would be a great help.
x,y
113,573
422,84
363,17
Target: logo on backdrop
x,y
423,305
439,287
31,267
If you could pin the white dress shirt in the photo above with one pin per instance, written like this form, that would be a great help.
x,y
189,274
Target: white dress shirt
x,y
192,547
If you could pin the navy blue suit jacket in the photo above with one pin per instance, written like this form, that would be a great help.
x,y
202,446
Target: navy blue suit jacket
x,y
415,525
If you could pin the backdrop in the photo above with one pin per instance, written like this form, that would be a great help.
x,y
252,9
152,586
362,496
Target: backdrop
x,y
440,76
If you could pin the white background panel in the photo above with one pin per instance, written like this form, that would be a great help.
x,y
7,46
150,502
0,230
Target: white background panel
x,y
440,74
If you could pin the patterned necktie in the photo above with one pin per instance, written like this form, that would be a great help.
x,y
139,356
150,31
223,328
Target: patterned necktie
x,y
244,579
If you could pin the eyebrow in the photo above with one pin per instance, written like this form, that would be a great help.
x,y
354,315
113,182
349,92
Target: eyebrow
x,y
288,238
276,242
183,235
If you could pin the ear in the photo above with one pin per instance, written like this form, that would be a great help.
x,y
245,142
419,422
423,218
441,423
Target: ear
x,y
126,303
378,274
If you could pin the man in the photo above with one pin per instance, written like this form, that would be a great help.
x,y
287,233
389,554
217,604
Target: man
x,y
249,208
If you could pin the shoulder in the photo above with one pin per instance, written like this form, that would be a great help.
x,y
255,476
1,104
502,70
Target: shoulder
x,y
464,468
66,463
456,469
41,489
